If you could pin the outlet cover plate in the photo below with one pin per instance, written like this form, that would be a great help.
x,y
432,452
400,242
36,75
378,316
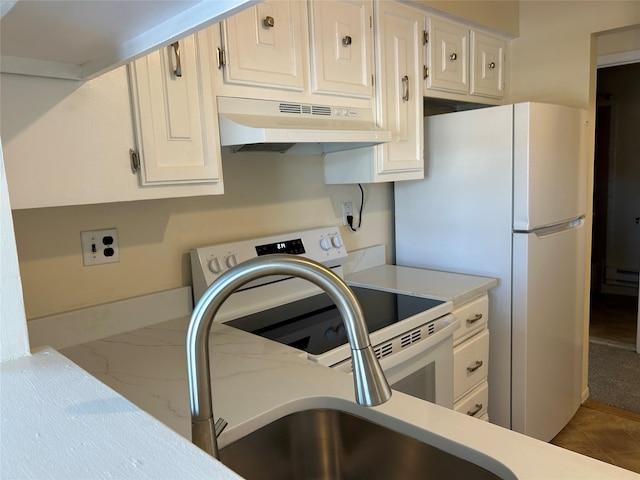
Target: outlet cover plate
x,y
100,246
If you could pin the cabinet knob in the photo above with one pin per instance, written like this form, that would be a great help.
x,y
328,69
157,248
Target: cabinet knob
x,y
346,41
492,65
453,56
268,22
176,51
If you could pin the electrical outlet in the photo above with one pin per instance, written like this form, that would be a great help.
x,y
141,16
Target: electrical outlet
x,y
347,210
100,246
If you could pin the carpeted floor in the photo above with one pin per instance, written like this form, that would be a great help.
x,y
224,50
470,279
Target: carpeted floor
x,y
614,375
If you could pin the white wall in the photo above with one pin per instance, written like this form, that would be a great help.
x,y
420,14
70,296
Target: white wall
x,y
14,341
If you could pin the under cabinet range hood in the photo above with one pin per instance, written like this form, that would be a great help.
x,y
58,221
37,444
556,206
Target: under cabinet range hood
x,y
252,125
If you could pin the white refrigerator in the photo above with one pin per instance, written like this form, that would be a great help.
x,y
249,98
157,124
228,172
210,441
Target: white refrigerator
x,y
504,195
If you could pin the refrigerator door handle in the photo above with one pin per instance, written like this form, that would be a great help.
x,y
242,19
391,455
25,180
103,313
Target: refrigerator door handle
x,y
556,228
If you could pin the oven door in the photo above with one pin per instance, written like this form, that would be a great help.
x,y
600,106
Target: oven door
x,y
423,369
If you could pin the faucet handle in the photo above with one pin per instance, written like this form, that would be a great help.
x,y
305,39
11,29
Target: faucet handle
x,y
219,426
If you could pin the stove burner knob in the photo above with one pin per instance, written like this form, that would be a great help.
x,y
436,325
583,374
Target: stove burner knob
x,y
337,241
214,265
231,261
325,244
340,330
330,333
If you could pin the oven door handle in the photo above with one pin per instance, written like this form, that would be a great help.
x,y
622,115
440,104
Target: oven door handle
x,y
422,346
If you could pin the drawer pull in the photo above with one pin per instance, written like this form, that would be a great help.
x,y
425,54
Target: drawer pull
x,y
476,366
472,413
474,319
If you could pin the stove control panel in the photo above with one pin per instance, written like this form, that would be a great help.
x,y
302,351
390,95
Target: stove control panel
x,y
323,245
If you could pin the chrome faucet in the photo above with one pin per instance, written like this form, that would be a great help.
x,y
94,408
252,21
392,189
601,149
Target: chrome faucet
x,y
371,387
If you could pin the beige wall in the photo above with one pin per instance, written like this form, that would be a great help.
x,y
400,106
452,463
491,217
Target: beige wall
x,y
264,195
501,16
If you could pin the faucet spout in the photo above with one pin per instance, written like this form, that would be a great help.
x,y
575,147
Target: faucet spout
x,y
371,387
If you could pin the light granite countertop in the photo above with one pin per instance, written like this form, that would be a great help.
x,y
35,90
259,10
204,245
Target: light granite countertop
x,y
456,287
255,381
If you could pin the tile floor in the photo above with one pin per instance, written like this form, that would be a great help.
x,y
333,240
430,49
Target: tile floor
x,y
600,431
605,433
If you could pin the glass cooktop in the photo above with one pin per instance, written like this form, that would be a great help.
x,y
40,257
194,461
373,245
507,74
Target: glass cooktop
x,y
313,324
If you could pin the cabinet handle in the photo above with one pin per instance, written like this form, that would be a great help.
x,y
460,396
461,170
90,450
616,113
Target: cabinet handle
x,y
268,22
346,41
474,319
135,161
405,84
476,366
492,65
176,51
472,413
453,57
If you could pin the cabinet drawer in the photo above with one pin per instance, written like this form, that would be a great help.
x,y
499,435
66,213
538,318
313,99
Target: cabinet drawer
x,y
473,317
470,362
475,402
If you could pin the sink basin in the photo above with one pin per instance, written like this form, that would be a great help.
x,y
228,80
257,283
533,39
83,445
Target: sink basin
x,y
323,444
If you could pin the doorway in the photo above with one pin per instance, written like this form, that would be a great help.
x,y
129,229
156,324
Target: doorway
x,y
616,208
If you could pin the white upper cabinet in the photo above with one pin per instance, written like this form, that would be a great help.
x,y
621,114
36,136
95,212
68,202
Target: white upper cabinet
x,y
447,56
399,104
462,62
175,114
342,47
315,51
267,45
487,65
80,40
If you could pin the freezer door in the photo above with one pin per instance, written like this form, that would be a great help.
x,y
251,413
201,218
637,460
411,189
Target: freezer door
x,y
550,164
548,321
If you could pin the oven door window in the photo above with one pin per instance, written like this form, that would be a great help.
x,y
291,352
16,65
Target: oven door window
x,y
419,384
423,370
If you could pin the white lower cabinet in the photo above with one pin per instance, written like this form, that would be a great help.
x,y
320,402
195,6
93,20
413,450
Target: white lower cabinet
x,y
475,402
471,359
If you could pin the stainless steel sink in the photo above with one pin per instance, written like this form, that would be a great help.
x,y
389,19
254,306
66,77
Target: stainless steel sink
x,y
331,444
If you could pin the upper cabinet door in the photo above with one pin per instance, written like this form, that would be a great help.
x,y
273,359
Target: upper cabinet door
x,y
266,45
400,32
487,65
175,113
342,47
448,56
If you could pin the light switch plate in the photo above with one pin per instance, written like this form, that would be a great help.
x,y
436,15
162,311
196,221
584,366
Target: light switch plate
x,y
100,246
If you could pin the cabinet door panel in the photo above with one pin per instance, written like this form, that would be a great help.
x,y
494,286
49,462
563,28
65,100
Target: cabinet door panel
x,y
265,45
400,95
487,69
448,59
176,122
342,47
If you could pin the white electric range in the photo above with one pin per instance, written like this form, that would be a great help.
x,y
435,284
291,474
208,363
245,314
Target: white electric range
x,y
411,335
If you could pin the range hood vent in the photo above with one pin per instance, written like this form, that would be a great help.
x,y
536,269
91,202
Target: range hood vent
x,y
251,125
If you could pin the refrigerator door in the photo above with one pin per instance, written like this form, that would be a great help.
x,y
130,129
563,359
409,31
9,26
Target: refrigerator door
x,y
550,165
548,304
